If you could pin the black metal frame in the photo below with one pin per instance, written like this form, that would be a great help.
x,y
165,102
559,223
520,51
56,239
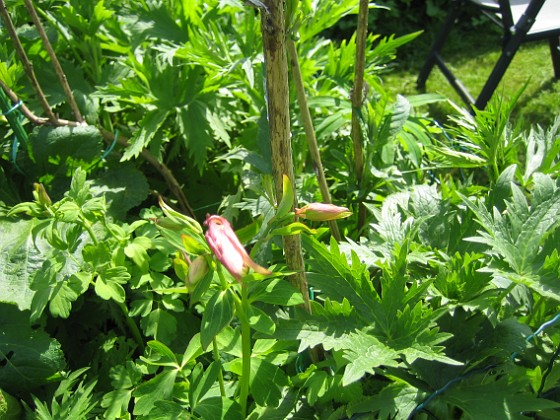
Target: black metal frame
x,y
513,37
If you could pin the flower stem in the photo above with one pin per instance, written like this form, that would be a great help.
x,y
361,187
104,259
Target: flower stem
x,y
132,326
242,312
217,360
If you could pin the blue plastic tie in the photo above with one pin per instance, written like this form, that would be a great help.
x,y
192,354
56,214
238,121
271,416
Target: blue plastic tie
x,y
13,108
111,147
422,406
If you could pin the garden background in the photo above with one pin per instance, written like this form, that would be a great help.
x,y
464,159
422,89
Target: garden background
x,y
126,122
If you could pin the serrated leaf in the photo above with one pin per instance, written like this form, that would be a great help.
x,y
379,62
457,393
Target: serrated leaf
x,y
364,352
334,277
57,286
496,400
149,126
197,131
399,397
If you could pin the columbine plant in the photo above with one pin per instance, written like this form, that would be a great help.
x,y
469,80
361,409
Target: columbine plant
x,y
249,282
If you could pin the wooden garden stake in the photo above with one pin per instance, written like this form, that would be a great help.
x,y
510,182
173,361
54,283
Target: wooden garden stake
x,y
274,43
310,131
357,101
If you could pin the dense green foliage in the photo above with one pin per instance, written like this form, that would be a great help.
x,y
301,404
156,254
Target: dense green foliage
x,y
112,304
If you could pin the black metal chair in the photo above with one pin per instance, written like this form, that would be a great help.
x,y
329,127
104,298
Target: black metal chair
x,y
521,21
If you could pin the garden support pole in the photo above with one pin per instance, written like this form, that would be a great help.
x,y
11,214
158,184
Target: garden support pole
x,y
310,132
278,97
357,102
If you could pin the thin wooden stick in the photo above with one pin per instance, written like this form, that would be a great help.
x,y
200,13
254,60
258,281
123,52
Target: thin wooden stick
x,y
357,101
54,59
27,65
310,131
278,101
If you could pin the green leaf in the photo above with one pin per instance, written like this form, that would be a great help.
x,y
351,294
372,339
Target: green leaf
x,y
295,228
276,291
116,403
156,389
335,278
219,408
56,150
364,352
260,321
164,355
108,284
196,131
137,252
399,397
10,407
287,203
58,285
168,410
20,258
124,187
266,380
328,326
217,314
495,399
282,411
203,380
28,357
149,126
159,324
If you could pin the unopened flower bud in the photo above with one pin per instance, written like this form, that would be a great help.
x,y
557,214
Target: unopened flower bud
x,y
321,212
228,250
197,270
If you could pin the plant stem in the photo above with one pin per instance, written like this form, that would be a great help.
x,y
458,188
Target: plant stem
x,y
164,171
27,65
54,59
243,311
310,131
357,101
132,326
217,360
278,101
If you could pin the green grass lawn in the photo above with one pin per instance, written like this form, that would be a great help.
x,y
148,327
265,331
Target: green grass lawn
x,y
471,54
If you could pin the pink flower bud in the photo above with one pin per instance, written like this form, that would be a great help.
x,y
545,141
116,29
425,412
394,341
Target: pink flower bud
x,y
320,212
228,250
